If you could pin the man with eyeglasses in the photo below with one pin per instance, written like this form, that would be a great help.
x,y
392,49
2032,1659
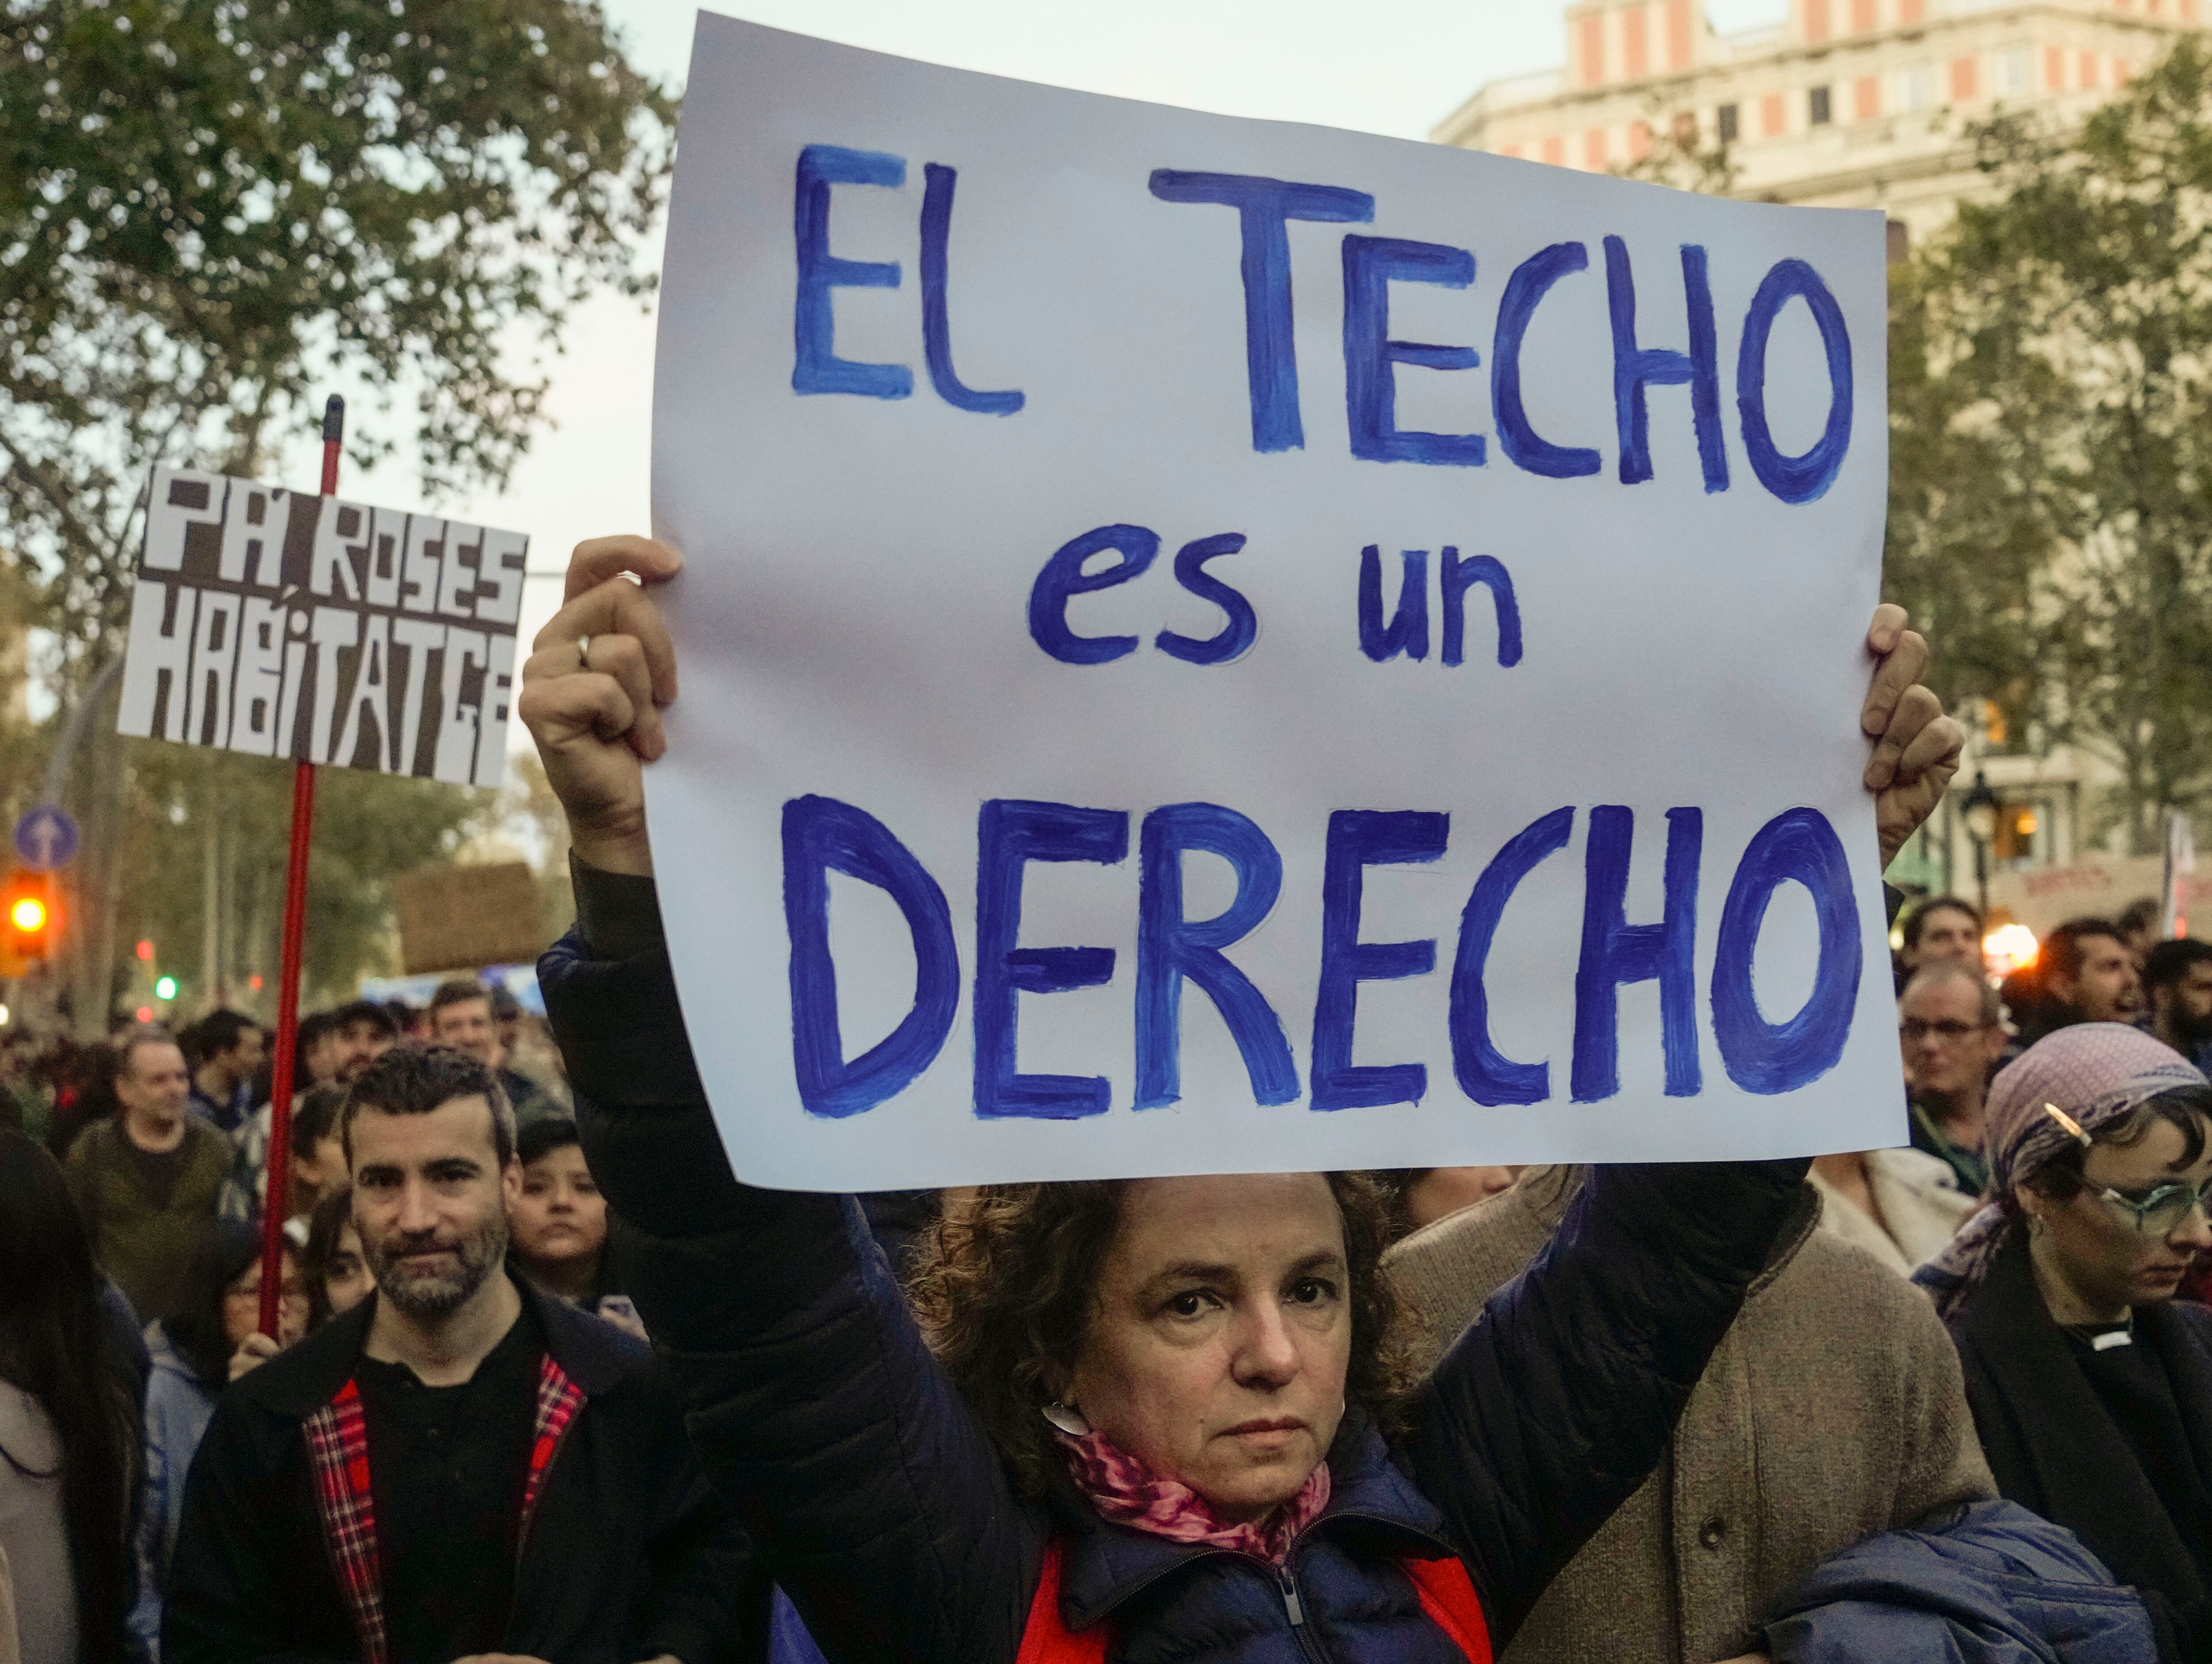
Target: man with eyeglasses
x,y
1948,1029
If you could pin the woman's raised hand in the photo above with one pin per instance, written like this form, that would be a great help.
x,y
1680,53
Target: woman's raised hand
x,y
593,689
1916,747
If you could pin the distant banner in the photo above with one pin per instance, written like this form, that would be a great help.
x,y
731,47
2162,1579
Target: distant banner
x,y
281,623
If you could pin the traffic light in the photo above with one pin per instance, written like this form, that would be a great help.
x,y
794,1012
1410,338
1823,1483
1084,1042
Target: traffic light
x,y
28,924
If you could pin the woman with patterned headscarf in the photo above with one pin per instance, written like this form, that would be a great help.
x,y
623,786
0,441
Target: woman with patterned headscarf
x,y
2091,1385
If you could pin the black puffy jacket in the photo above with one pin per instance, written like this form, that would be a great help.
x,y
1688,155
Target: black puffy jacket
x,y
885,1512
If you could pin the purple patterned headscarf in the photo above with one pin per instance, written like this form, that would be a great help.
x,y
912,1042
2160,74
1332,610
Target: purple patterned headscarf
x,y
2096,1072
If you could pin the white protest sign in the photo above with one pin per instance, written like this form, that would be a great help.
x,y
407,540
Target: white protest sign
x,y
1146,709
281,623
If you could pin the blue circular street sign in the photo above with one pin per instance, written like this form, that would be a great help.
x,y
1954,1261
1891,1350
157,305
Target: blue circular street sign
x,y
45,839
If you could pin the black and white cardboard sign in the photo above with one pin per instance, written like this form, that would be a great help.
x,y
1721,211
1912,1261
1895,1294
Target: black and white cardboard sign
x,y
281,623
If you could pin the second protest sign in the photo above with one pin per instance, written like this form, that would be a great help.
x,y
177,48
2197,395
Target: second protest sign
x,y
281,623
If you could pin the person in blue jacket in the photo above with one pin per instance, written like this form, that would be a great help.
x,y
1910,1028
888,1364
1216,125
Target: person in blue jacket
x,y
1132,1420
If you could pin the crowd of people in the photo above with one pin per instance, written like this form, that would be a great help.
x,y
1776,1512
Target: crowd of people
x,y
548,1382
150,1155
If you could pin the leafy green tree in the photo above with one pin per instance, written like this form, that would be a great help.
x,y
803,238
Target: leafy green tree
x,y
209,211
2052,436
19,749
203,872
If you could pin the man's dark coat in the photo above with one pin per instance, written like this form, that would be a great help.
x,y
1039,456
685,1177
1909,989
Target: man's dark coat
x,y
630,1554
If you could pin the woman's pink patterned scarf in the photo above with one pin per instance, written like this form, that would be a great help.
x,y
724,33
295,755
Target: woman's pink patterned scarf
x,y
1126,1492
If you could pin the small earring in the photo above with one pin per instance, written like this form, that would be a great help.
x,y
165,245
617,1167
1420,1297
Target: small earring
x,y
1068,1419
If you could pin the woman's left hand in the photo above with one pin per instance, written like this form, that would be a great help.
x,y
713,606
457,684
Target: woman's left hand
x,y
1916,747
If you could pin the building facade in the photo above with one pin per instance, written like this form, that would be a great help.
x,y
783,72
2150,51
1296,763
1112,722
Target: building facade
x,y
1845,104
1853,104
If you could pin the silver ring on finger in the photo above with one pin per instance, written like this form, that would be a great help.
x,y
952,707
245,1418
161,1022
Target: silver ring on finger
x,y
583,652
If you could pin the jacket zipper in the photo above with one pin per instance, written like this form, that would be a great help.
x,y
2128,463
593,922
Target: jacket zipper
x,y
1295,1609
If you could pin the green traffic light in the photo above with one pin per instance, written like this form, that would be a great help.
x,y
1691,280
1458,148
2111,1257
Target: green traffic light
x,y
165,987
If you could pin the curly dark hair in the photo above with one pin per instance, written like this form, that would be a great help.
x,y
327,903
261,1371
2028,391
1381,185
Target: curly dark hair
x,y
414,1080
1008,1285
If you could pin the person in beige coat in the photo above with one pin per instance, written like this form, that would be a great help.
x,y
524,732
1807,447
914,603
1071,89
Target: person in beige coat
x,y
1902,1206
1834,1409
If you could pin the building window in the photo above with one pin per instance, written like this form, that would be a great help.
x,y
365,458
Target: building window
x,y
2014,72
1555,151
1639,140
1594,149
1964,79
1816,20
1728,124
1861,15
1816,107
2054,70
1635,49
1593,49
1866,98
1910,12
1916,87
2088,75
1771,118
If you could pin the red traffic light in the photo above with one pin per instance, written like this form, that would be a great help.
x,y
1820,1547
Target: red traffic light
x,y
28,923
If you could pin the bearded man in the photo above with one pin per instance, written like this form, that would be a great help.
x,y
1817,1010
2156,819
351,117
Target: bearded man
x,y
459,1466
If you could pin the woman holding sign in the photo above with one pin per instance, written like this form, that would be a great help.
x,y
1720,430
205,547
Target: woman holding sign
x,y
1136,1419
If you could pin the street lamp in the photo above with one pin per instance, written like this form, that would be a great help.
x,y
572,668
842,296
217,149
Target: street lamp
x,y
1981,813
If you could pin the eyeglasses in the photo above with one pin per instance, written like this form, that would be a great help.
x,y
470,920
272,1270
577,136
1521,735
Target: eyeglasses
x,y
2159,1212
2156,1212
1949,1028
285,1290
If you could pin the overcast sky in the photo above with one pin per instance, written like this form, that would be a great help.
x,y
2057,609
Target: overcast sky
x,y
1385,66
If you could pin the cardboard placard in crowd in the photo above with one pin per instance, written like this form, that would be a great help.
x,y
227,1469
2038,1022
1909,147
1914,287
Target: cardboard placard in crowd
x,y
281,624
1210,645
462,917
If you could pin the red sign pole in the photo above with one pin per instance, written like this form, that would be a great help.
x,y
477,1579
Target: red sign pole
x,y
277,1193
